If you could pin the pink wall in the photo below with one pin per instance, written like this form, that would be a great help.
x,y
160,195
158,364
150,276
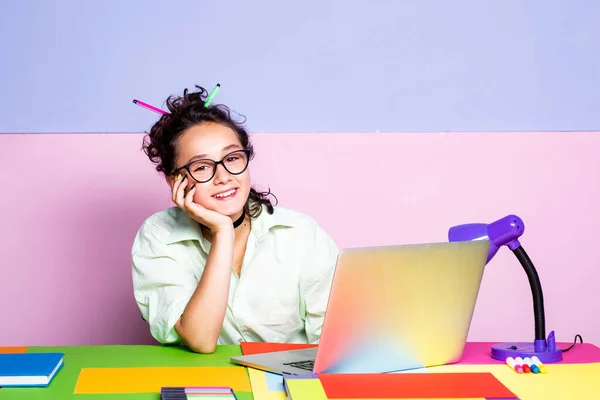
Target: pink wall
x,y
71,205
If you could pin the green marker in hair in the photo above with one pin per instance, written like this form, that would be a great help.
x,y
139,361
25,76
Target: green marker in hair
x,y
211,95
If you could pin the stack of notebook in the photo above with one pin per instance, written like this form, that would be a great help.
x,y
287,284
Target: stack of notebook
x,y
29,369
197,392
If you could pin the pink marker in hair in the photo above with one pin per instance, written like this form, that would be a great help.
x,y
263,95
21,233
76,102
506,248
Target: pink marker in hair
x,y
149,107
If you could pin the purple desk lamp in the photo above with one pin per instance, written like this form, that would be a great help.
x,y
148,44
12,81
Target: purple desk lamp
x,y
506,231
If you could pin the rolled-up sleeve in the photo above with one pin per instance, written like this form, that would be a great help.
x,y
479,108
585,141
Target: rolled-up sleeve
x,y
163,282
317,277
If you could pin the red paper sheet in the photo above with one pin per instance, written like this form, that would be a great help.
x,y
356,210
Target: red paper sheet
x,y
260,347
413,386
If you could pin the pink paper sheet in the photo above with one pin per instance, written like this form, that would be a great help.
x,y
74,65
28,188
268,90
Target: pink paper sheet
x,y
581,353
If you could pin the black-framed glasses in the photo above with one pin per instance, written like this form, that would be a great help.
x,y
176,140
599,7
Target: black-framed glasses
x,y
204,170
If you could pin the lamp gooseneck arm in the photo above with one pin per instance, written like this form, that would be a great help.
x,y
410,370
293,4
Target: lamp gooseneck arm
x,y
536,291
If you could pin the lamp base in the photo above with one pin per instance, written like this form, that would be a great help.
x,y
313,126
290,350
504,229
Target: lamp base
x,y
502,351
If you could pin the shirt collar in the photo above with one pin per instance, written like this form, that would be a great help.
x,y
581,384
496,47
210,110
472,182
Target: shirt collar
x,y
265,222
186,228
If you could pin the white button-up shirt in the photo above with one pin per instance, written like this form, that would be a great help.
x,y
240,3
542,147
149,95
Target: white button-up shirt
x,y
280,296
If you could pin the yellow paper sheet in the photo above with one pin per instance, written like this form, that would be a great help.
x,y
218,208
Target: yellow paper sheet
x,y
151,379
260,388
311,389
561,381
301,389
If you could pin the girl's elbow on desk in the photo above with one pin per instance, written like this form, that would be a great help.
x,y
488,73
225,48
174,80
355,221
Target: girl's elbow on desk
x,y
202,348
196,342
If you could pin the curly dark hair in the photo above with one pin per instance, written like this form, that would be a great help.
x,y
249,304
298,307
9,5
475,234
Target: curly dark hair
x,y
160,144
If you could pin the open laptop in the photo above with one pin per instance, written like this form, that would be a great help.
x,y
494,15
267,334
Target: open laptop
x,y
391,308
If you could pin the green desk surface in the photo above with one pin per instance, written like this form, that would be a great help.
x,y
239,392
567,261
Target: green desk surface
x,y
78,357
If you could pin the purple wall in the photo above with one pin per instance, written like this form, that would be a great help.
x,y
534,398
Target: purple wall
x,y
325,66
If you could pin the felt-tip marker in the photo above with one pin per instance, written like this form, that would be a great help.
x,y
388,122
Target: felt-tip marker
x,y
513,365
534,368
539,364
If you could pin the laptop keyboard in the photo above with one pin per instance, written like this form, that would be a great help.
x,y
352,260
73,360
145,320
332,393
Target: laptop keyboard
x,y
307,365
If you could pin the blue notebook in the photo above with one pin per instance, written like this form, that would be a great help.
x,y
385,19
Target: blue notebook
x,y
29,369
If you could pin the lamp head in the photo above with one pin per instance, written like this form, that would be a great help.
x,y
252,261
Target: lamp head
x,y
505,231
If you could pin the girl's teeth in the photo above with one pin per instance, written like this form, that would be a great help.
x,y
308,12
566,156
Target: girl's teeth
x,y
225,194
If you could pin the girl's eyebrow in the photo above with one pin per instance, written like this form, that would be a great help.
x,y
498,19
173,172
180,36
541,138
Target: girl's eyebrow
x,y
226,148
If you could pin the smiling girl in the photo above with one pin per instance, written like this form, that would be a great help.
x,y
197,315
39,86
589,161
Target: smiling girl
x,y
224,265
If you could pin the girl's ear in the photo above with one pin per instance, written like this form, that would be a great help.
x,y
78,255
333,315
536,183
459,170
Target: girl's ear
x,y
172,178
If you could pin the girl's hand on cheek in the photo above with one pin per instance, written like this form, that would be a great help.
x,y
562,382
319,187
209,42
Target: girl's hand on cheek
x,y
211,219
